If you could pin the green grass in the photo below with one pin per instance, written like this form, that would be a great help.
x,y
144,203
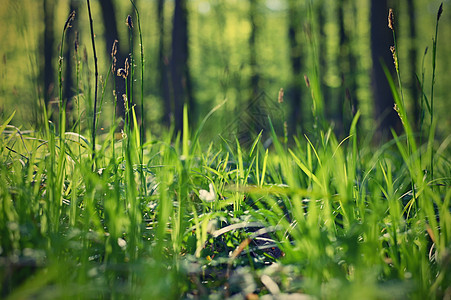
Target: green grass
x,y
320,216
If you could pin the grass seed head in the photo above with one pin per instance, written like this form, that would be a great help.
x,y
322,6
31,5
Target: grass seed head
x,y
440,11
395,57
113,56
391,19
76,44
114,48
69,20
124,72
307,81
280,98
398,111
121,73
124,97
129,22
113,65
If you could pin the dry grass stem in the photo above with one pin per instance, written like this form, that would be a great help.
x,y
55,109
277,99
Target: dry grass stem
x,y
280,97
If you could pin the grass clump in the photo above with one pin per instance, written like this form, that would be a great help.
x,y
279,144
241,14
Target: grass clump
x,y
171,218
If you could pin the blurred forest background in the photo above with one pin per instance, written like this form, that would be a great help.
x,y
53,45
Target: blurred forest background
x,y
203,52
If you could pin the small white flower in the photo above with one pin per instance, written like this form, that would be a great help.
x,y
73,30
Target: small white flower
x,y
121,242
208,196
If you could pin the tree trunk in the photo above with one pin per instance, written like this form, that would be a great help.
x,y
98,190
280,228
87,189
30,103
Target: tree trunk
x,y
181,91
255,76
343,53
353,71
163,61
322,60
295,92
49,46
346,61
413,63
251,120
381,40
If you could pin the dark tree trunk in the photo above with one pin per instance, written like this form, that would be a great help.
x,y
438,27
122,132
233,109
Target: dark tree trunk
x,y
255,76
352,60
381,40
111,34
163,62
413,62
322,59
342,65
347,105
180,77
49,46
295,92
251,119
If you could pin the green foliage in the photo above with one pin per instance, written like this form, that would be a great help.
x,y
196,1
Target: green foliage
x,y
172,217
343,217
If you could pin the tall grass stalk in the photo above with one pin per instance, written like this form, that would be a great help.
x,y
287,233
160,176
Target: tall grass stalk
x,y
131,64
113,70
77,92
423,100
94,119
143,114
400,106
395,50
434,62
62,102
